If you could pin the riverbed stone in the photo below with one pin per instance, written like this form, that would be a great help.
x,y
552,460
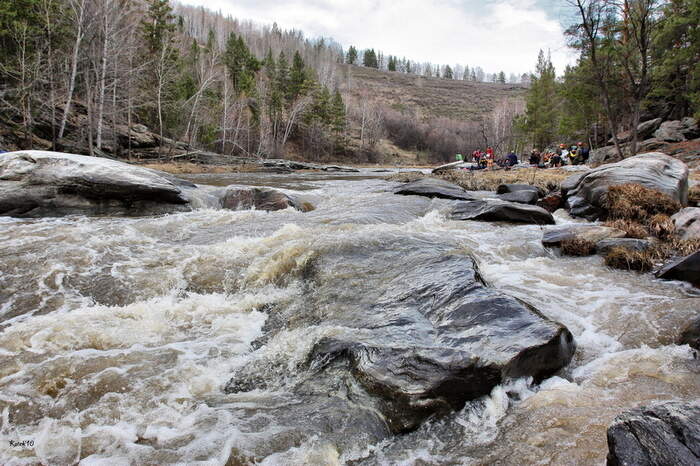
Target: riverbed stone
x,y
587,193
687,222
51,184
237,198
666,433
685,269
514,188
434,187
488,210
554,236
439,337
671,131
520,197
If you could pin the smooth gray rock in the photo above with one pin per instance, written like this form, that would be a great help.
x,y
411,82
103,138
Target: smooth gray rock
x,y
501,211
434,187
664,434
438,337
686,269
554,236
587,193
237,198
521,197
690,130
671,131
605,246
514,188
687,223
39,184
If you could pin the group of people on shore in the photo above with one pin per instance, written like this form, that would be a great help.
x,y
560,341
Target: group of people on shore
x,y
563,155
575,155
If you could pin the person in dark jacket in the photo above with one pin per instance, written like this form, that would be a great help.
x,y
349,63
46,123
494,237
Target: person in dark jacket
x,y
583,152
511,159
535,157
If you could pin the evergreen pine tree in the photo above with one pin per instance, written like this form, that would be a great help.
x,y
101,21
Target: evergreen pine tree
x,y
297,77
501,77
352,55
540,120
448,74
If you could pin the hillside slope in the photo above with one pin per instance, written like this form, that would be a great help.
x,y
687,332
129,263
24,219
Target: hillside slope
x,y
427,97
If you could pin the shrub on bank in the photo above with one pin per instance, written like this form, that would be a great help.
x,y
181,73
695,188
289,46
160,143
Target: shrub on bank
x,y
632,228
637,202
578,247
629,259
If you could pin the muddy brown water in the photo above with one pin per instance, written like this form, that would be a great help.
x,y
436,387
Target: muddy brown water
x,y
117,336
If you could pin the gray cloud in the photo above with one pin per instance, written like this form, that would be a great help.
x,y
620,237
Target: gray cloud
x,y
496,35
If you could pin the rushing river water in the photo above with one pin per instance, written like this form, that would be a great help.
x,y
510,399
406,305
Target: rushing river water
x,y
118,336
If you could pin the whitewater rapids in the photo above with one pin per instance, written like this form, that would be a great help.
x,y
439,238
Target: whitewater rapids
x,y
117,336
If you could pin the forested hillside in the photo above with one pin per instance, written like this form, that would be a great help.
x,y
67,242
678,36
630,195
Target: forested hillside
x,y
147,78
639,62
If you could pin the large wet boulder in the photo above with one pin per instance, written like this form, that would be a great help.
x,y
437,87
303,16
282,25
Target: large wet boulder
x,y
691,334
553,237
439,337
685,269
41,184
434,187
488,210
687,223
587,193
237,198
663,434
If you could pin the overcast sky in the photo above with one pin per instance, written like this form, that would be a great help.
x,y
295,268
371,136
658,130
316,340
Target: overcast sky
x,y
496,35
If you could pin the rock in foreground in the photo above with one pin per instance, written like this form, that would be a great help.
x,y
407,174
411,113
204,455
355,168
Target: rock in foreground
x,y
691,334
439,337
501,211
39,184
433,187
664,434
587,193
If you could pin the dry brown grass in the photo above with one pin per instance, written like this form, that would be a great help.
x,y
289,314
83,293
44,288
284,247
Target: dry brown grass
x,y
661,226
636,202
694,195
632,228
189,168
578,247
628,259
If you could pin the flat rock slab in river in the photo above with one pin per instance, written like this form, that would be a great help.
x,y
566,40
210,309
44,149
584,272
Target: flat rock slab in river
x,y
663,434
587,193
439,337
41,184
520,197
515,188
433,187
553,237
685,269
501,211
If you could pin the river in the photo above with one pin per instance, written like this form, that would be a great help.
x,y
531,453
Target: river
x,y
118,335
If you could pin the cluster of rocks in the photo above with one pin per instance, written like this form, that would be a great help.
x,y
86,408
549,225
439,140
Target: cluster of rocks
x,y
511,203
50,184
652,135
